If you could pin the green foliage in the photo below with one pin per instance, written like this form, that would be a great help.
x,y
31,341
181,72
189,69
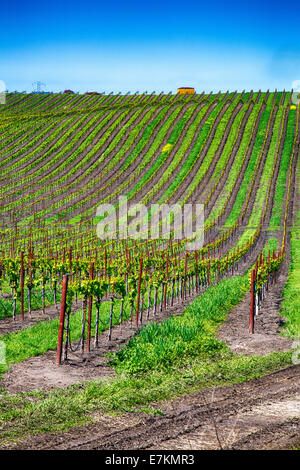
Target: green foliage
x,y
189,335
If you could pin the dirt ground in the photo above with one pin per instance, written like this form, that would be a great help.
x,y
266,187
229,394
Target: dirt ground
x,y
268,323
260,414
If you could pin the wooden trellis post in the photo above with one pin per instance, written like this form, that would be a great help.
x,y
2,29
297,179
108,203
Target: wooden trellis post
x,y
62,319
88,342
252,297
139,291
22,285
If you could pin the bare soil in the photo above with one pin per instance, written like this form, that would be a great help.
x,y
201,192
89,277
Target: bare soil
x,y
263,413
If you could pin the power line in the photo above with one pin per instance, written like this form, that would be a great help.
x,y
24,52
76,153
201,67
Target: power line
x,y
37,86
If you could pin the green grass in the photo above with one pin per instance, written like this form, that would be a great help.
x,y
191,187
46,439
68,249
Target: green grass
x,y
6,307
189,335
290,308
42,337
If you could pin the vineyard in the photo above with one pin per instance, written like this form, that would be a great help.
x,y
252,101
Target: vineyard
x,y
88,307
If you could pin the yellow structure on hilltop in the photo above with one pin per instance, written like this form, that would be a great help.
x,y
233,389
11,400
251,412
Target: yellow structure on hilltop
x,y
186,90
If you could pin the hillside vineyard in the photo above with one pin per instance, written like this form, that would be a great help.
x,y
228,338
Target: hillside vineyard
x,y
63,155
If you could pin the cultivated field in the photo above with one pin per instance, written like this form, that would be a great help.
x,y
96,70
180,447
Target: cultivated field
x,y
143,342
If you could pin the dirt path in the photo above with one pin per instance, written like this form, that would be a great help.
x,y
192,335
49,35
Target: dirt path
x,y
258,414
268,323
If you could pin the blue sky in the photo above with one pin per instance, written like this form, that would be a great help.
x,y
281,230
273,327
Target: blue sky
x,y
157,46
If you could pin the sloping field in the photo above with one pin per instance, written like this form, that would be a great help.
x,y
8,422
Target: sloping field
x,y
178,317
